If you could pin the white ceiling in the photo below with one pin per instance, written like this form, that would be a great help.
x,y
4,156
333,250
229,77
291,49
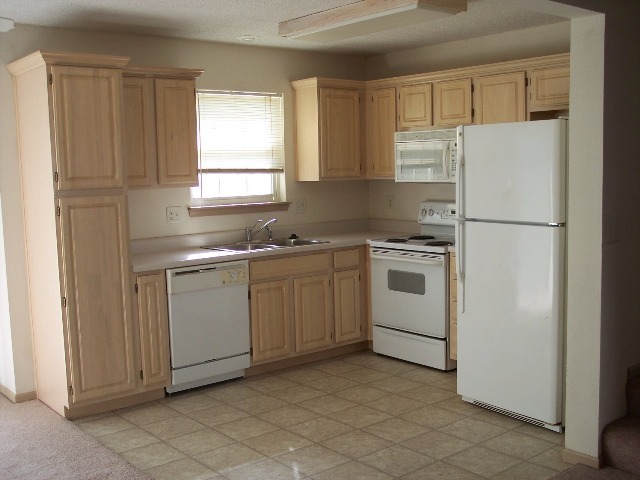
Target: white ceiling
x,y
228,20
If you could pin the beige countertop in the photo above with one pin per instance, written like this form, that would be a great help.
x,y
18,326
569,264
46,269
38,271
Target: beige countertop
x,y
186,257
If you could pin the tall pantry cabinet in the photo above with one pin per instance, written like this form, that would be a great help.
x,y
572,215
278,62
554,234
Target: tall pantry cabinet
x,y
69,114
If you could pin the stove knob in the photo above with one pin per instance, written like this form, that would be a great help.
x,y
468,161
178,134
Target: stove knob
x,y
423,212
431,212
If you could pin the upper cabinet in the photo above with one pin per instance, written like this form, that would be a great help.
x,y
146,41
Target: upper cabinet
x,y
500,98
381,127
414,106
87,120
160,126
549,89
329,118
452,103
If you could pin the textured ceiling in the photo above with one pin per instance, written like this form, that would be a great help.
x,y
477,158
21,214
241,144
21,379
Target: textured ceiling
x,y
228,20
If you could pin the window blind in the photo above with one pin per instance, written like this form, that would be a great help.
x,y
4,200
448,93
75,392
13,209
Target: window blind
x,y
240,132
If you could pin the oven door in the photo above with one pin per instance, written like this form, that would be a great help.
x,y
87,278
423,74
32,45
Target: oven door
x,y
409,291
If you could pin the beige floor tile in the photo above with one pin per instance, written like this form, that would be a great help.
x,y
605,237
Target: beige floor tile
x,y
356,444
482,461
456,404
173,427
259,404
319,429
287,416
366,359
127,439
428,394
186,403
359,416
312,459
277,443
397,460
518,445
331,384
150,413
503,421
473,430
439,471
526,471
326,404
352,471
245,428
217,415
336,367
229,457
185,469
396,429
394,384
269,383
229,392
395,404
437,444
541,432
264,470
297,394
552,458
152,455
362,394
394,366
199,442
303,375
105,425
432,416
425,375
450,384
364,375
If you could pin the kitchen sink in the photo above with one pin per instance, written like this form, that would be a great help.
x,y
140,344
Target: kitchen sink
x,y
293,242
266,244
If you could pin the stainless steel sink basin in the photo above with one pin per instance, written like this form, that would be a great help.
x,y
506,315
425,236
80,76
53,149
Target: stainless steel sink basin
x,y
266,244
294,242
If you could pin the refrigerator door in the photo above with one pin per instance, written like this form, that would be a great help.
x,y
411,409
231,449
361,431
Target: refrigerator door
x,y
514,172
510,334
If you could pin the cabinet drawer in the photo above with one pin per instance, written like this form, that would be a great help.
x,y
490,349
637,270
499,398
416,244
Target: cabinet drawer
x,y
346,258
283,267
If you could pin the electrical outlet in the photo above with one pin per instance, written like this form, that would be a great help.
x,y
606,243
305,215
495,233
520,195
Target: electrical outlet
x,y
174,215
390,200
301,205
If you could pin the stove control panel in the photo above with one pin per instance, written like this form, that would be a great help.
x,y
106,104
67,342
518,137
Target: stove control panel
x,y
437,213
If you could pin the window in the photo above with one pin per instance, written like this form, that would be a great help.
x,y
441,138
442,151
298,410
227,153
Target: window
x,y
240,148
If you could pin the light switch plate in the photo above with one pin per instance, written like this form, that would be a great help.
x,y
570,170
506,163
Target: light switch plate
x,y
300,205
174,214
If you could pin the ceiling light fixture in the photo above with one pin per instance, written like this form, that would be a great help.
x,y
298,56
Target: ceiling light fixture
x,y
6,24
366,16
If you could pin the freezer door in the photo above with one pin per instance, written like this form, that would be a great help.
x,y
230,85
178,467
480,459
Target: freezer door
x,y
514,172
510,334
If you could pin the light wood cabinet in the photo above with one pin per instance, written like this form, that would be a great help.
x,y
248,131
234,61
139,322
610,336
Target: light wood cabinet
x,y
312,313
549,89
452,102
329,118
414,107
87,119
160,119
453,308
381,128
271,327
500,98
153,327
347,307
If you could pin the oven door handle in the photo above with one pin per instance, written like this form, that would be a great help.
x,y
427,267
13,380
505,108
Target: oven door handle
x,y
439,262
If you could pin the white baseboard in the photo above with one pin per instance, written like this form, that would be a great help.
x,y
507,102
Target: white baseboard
x,y
572,457
17,397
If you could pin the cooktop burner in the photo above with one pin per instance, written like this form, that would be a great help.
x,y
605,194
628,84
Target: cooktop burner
x,y
439,243
422,237
396,240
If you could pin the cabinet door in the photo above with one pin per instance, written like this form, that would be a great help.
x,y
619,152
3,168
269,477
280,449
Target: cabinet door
x,y
381,128
87,118
312,312
176,132
500,98
270,321
414,106
153,323
99,324
140,131
452,102
339,133
549,89
346,301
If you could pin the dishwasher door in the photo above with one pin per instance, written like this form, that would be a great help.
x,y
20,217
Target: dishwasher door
x,y
208,323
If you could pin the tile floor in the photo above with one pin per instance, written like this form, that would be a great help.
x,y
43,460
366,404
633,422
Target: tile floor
x,y
361,416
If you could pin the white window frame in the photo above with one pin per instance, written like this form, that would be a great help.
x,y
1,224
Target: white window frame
x,y
270,161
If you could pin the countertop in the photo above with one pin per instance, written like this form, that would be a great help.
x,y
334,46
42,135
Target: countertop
x,y
185,257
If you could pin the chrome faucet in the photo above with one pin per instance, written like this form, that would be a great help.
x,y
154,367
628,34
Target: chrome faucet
x,y
249,233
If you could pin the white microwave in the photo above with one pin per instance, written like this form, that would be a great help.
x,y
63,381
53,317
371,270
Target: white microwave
x,y
428,156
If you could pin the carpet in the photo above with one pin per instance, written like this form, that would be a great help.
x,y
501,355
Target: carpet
x,y
36,443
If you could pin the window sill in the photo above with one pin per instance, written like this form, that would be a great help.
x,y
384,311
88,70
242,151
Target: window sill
x,y
237,208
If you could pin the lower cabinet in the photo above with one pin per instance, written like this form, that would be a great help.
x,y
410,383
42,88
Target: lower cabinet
x,y
305,303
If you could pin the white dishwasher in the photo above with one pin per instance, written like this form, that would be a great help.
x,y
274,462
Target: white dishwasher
x,y
208,323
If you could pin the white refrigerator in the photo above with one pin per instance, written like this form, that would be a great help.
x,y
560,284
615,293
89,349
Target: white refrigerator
x,y
510,244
